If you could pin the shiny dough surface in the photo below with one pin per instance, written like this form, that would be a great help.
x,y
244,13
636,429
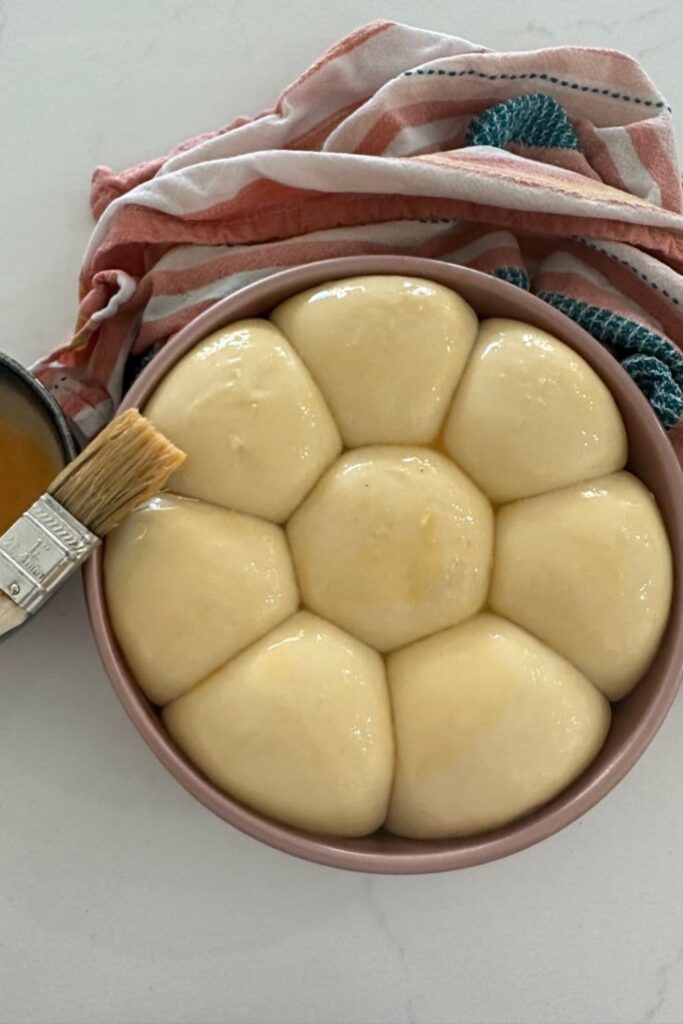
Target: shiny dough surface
x,y
387,352
253,423
188,585
531,415
298,726
588,570
489,724
393,544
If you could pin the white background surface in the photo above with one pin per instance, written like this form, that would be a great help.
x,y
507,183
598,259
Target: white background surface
x,y
122,901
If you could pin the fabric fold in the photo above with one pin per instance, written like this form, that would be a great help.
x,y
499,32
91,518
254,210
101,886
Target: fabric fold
x,y
554,169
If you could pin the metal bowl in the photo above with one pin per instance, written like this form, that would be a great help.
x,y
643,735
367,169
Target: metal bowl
x,y
35,408
38,399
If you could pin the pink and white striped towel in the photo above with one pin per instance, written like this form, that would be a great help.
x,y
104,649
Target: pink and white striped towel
x,y
555,169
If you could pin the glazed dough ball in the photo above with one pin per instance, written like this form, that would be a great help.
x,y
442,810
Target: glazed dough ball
x,y
490,724
387,353
588,570
255,428
393,544
298,727
188,585
530,415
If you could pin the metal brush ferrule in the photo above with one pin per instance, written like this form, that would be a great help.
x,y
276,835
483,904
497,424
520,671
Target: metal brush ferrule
x,y
38,552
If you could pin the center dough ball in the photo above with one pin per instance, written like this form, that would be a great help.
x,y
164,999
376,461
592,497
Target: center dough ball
x,y
393,544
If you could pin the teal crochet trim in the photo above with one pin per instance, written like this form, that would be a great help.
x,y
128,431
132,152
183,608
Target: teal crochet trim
x,y
536,120
649,359
136,364
514,275
654,380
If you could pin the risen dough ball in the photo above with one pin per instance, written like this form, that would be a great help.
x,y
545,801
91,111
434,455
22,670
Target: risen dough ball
x,y
393,544
489,724
531,415
588,570
387,353
190,584
298,727
255,428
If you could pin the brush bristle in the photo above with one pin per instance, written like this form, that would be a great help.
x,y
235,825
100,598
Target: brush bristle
x,y
125,465
11,615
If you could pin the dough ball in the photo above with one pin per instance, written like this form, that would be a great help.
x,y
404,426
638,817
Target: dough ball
x,y
490,724
298,727
531,415
188,585
387,353
588,570
393,544
255,428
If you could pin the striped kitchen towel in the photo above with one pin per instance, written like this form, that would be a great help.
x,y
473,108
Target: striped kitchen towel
x,y
553,169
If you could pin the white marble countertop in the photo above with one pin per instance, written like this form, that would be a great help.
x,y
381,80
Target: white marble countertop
x,y
122,901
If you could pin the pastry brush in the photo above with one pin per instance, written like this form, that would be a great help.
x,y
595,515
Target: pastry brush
x,y
125,465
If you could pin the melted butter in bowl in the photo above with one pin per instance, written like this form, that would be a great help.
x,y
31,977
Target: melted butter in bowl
x,y
30,452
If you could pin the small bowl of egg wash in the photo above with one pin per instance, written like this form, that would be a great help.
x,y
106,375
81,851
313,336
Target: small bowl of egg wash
x,y
35,442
